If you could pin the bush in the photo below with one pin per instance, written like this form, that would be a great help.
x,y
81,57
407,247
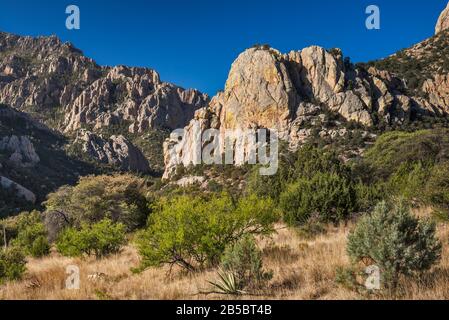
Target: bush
x,y
193,232
304,164
312,161
409,180
101,239
12,264
436,190
396,148
369,195
244,260
31,235
121,198
326,196
395,241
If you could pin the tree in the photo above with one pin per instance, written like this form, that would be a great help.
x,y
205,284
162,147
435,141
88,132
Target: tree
x,y
100,240
12,264
326,196
31,235
121,198
395,241
244,260
193,232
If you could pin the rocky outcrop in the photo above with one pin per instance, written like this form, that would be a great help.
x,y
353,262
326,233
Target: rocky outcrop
x,y
22,192
284,92
116,151
42,72
443,21
135,96
38,74
21,150
437,90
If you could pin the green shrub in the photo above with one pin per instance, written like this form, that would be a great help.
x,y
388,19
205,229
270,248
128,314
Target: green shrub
x,y
409,180
12,264
31,235
396,148
40,247
312,161
326,196
244,260
369,195
101,239
395,241
121,198
303,164
192,232
436,191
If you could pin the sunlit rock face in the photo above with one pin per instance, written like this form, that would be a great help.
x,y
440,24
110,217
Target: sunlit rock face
x,y
443,21
268,89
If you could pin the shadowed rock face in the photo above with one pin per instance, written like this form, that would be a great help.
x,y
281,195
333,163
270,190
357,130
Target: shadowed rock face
x,y
116,151
443,21
20,190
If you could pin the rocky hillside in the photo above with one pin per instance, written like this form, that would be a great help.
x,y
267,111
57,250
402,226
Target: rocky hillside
x,y
45,76
293,92
118,117
33,161
63,116
56,84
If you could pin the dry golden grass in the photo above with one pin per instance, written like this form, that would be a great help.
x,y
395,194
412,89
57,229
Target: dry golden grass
x,y
303,269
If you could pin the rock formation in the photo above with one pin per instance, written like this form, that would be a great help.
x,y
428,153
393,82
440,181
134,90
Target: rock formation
x,y
282,92
20,190
443,21
44,73
21,150
135,96
116,151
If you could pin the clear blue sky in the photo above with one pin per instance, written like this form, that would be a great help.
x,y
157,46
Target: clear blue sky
x,y
193,42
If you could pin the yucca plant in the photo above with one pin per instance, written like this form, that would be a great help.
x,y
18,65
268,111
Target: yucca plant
x,y
227,284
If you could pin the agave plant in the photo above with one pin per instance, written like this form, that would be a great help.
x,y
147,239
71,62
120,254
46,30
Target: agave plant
x,y
227,284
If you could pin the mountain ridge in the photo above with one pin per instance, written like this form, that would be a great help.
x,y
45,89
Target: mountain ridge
x,y
120,117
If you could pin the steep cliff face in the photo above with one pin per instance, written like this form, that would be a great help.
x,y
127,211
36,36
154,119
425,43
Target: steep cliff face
x,y
135,96
284,92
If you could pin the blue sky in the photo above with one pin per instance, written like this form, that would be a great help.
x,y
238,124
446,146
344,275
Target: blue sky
x,y
193,42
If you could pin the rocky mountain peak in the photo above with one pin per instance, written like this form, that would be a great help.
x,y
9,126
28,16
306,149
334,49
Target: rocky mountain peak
x,y
44,73
443,21
292,92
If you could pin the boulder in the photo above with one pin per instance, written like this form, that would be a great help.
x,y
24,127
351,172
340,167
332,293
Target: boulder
x,y
22,192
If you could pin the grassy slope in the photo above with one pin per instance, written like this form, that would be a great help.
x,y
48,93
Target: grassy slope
x,y
303,269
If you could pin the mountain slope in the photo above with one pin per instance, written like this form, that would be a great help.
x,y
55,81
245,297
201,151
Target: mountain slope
x,y
54,83
34,157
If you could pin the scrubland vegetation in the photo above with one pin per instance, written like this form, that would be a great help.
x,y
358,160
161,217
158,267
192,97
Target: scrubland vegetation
x,y
309,232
